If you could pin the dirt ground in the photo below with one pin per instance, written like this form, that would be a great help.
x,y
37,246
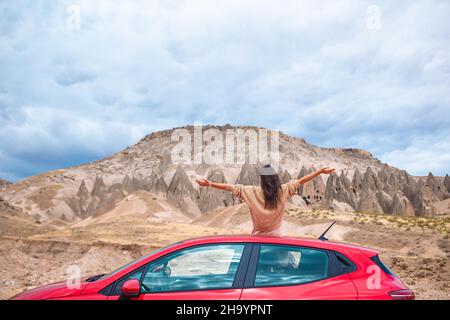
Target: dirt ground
x,y
416,249
32,254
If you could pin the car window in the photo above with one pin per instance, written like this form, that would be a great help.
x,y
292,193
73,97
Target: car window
x,y
376,259
286,265
118,287
138,260
203,267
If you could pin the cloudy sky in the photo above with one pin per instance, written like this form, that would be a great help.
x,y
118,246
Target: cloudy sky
x,y
82,79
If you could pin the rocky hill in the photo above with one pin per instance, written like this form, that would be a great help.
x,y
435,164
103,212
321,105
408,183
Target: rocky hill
x,y
4,184
361,182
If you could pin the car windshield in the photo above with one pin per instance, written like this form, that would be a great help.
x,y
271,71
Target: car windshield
x,y
135,261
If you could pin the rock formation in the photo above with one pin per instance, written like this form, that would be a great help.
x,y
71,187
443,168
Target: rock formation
x,y
401,206
436,187
181,192
390,191
131,184
361,182
447,183
249,175
312,192
338,188
211,198
4,184
156,184
285,176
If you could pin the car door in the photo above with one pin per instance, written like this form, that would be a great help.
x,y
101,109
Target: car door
x,y
212,271
294,272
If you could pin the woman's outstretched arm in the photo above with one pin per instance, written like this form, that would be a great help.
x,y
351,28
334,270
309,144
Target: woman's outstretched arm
x,y
309,177
220,186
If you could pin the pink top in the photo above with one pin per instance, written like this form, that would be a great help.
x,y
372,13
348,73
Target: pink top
x,y
265,221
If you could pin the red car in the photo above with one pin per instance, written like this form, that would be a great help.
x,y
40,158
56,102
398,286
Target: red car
x,y
241,268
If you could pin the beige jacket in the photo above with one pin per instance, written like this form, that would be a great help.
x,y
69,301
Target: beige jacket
x,y
265,221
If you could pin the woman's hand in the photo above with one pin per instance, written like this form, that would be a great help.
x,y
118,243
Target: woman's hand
x,y
221,186
326,170
203,182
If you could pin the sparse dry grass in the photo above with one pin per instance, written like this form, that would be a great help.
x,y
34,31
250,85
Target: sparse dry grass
x,y
438,225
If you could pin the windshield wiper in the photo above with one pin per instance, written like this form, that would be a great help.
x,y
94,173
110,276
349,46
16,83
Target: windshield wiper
x,y
95,278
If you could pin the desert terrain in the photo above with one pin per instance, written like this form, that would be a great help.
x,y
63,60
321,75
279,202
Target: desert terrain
x,y
101,215
34,253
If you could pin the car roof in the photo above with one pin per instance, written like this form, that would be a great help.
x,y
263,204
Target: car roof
x,y
330,245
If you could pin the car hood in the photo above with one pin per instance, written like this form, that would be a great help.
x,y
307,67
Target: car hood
x,y
50,291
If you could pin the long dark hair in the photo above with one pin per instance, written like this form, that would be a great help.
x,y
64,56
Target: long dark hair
x,y
271,188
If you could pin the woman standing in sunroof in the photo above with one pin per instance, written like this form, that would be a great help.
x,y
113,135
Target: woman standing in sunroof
x,y
266,202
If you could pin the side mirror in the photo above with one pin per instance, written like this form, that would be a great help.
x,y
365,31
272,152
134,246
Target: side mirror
x,y
131,288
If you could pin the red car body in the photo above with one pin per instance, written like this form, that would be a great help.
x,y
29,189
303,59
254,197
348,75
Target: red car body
x,y
357,273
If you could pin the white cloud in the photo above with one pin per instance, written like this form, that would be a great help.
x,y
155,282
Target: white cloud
x,y
424,153
309,68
